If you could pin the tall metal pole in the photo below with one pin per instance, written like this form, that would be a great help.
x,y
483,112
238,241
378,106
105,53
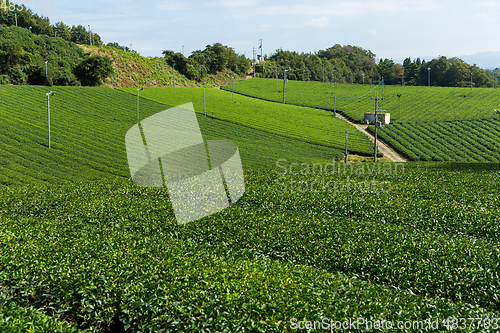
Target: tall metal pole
x,y
138,105
335,106
16,18
277,87
233,88
112,74
254,62
262,58
173,71
284,82
376,121
429,75
383,92
48,112
399,99
470,84
323,73
46,72
403,78
303,74
333,84
363,78
345,157
204,100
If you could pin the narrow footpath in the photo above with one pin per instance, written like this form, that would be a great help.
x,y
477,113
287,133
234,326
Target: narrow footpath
x,y
382,147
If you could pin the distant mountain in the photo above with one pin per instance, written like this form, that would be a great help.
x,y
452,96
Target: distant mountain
x,y
485,60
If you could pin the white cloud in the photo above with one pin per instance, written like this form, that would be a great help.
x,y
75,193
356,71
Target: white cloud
x,y
320,22
372,32
174,5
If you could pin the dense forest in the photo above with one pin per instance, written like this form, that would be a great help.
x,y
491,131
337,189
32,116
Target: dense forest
x,y
352,64
212,60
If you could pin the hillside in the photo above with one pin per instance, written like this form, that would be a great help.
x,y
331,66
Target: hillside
x,y
134,70
88,127
82,247
437,123
295,122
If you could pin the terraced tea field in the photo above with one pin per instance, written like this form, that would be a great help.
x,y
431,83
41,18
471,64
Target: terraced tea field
x,y
302,123
88,127
467,141
418,104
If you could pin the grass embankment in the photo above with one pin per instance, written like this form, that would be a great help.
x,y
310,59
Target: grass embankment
x,y
134,70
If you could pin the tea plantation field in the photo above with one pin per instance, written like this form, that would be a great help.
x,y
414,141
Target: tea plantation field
x,y
302,123
437,123
88,127
467,140
83,248
418,104
412,243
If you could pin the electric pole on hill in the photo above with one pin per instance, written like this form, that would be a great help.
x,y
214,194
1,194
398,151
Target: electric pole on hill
x,y
376,98
254,62
261,57
284,82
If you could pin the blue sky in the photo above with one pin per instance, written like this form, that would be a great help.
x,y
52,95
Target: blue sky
x,y
389,28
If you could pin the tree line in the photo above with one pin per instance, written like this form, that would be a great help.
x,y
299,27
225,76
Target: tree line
x,y
353,64
27,58
213,59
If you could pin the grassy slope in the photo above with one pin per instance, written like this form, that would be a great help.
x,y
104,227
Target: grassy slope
x,y
88,127
134,70
418,104
301,123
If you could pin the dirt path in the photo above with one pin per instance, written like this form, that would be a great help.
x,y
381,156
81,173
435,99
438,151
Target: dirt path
x,y
388,152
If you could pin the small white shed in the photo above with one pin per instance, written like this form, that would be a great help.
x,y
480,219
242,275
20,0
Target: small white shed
x,y
384,117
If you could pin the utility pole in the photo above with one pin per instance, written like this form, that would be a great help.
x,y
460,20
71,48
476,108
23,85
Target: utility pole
x,y
138,104
173,72
333,83
470,84
261,58
383,93
323,72
363,78
345,157
399,99
254,62
277,88
284,82
48,110
403,78
303,72
335,106
233,88
429,75
112,74
204,101
15,14
376,98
